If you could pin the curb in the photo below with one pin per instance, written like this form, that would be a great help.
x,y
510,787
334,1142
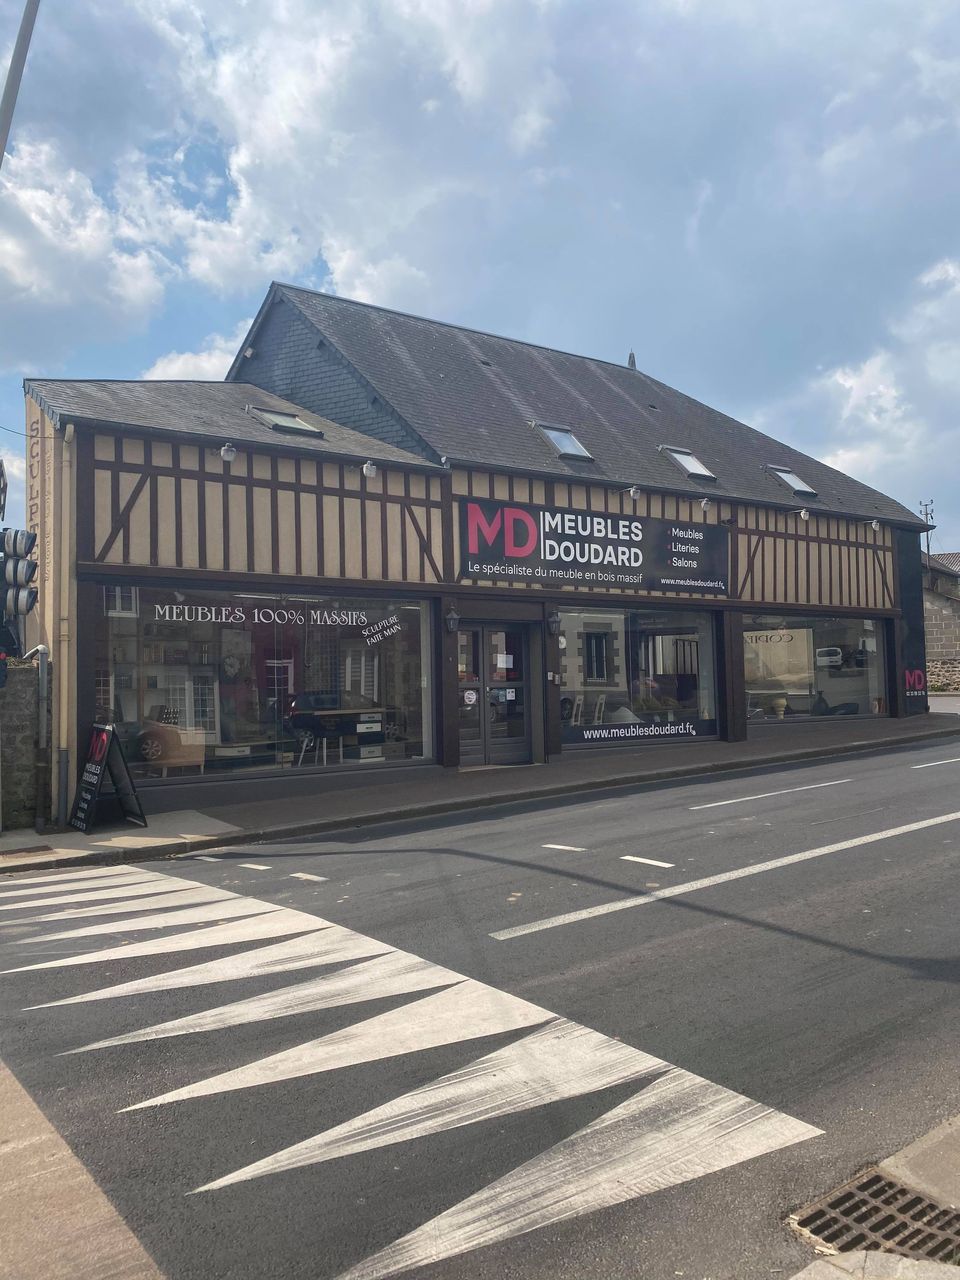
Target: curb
x,y
173,848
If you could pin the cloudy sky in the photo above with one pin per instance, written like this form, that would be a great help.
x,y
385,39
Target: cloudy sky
x,y
761,199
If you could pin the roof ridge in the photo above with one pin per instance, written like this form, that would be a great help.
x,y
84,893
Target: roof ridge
x,y
464,328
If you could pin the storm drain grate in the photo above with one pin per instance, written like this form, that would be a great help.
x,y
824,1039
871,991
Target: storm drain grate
x,y
873,1212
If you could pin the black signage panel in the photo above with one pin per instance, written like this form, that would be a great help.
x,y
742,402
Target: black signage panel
x,y
105,756
544,545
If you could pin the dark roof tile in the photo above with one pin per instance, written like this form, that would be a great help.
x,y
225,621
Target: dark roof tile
x,y
471,396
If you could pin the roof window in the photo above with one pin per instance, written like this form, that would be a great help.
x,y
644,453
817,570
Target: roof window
x,y
564,441
688,462
792,481
284,421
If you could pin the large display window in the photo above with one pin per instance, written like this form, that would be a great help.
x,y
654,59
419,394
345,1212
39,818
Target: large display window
x,y
813,666
201,681
630,675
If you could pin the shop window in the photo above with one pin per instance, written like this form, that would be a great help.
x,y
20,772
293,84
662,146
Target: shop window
x,y
631,675
220,683
801,667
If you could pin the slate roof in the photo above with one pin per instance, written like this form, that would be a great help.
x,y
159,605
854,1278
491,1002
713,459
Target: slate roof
x,y
213,410
945,562
471,396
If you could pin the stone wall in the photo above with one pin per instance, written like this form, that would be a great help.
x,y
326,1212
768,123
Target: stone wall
x,y
18,745
942,624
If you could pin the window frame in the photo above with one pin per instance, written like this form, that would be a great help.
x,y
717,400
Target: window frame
x,y
596,643
786,475
677,455
278,420
579,450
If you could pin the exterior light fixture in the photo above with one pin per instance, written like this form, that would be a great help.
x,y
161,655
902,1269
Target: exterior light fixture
x,y
803,513
705,504
228,453
452,620
369,469
553,622
875,526
634,491
445,462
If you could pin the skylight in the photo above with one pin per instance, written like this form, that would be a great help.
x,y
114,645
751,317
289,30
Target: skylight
x,y
564,441
284,421
688,463
793,481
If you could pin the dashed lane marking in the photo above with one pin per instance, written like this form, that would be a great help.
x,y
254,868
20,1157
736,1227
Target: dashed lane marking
x,y
765,795
565,848
254,866
933,763
306,875
205,857
692,886
648,862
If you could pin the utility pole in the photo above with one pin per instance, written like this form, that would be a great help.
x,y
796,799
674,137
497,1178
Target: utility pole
x,y
15,72
926,510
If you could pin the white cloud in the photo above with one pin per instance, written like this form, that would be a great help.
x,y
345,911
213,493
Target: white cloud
x,y
209,364
889,419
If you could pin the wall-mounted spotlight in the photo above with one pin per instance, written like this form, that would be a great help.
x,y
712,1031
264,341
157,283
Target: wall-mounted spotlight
x,y
875,526
445,462
634,491
553,622
248,353
369,469
228,453
452,620
803,513
705,504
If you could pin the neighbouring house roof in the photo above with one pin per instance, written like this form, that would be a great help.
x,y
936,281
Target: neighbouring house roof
x,y
471,397
945,562
216,411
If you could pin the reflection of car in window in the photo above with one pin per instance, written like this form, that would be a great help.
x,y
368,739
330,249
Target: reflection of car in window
x,y
830,656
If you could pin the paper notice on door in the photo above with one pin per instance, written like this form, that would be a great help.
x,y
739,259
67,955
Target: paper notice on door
x,y
511,695
504,659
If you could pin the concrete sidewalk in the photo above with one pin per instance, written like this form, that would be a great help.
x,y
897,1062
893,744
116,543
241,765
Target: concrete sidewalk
x,y
313,803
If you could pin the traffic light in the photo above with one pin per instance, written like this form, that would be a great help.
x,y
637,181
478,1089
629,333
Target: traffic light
x,y
17,597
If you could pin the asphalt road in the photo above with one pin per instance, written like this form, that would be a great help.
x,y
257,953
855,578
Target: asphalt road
x,y
517,1050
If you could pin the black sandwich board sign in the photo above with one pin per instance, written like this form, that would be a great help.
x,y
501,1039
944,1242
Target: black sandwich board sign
x,y
105,755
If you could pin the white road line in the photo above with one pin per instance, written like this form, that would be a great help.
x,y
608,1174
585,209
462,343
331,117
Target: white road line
x,y
153,887
468,1011
716,804
329,944
933,763
557,1061
254,866
678,1128
394,974
305,875
204,857
643,899
648,862
218,911
565,848
273,924
163,901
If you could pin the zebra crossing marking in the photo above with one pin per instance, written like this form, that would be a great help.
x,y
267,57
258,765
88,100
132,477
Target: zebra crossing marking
x,y
674,1126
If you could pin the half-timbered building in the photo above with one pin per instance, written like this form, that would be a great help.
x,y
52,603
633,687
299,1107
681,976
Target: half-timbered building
x,y
384,540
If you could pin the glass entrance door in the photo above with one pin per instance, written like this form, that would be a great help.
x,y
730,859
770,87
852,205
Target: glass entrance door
x,y
492,668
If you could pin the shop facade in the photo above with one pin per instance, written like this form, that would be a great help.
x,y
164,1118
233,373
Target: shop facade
x,y
250,590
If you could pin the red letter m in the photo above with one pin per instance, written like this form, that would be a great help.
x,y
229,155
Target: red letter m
x,y
916,679
476,524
